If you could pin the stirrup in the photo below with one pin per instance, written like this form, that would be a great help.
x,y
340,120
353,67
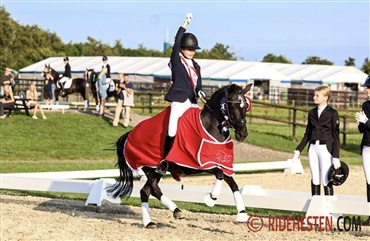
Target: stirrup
x,y
162,167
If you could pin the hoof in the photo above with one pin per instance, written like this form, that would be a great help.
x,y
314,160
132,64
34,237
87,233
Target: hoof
x,y
209,201
242,217
151,225
177,214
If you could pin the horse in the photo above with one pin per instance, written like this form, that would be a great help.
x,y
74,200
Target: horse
x,y
92,76
79,85
206,147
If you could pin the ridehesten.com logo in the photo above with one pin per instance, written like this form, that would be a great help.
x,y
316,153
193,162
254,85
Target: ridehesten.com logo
x,y
303,223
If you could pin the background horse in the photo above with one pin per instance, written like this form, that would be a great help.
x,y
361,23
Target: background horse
x,y
143,148
92,76
79,85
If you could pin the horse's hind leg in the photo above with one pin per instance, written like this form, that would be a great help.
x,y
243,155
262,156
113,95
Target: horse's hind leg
x,y
144,196
152,183
239,203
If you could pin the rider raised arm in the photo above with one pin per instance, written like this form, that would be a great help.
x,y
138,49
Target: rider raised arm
x,y
186,83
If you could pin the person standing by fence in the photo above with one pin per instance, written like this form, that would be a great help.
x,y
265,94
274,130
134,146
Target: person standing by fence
x,y
101,86
125,99
322,134
364,128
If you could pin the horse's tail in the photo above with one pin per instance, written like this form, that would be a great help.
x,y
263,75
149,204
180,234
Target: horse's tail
x,y
124,185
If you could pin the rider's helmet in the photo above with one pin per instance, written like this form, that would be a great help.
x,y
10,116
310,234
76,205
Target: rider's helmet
x,y
367,82
189,41
338,176
66,58
105,58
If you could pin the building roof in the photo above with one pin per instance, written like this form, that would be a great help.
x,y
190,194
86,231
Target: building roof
x,y
212,70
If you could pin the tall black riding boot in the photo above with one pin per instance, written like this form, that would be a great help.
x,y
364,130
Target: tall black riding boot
x,y
62,93
367,222
162,167
329,190
315,189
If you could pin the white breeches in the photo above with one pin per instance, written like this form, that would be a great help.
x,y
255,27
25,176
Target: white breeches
x,y
177,110
366,162
320,161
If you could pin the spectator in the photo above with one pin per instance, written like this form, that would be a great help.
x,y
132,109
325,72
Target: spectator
x,y
101,86
126,98
8,101
48,92
12,74
32,95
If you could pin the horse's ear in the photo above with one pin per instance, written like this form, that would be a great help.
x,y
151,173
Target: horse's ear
x,y
246,89
232,88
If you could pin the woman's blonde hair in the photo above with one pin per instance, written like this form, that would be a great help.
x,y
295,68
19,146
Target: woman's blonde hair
x,y
103,71
324,90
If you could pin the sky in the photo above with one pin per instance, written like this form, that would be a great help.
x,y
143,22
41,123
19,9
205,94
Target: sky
x,y
332,30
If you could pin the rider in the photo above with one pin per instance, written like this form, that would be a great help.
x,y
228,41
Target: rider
x,y
186,84
109,79
66,76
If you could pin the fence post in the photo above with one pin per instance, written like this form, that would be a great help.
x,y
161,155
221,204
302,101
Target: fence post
x,y
344,130
294,123
150,102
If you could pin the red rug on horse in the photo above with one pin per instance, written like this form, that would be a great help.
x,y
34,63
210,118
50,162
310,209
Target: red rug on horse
x,y
193,146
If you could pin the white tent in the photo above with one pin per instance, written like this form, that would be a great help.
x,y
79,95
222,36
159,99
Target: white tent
x,y
214,72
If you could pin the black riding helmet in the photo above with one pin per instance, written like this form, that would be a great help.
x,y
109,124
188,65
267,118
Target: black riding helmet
x,y
367,82
338,176
189,41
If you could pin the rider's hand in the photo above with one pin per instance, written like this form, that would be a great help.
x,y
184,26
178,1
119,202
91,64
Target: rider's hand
x,y
202,95
336,163
188,18
361,117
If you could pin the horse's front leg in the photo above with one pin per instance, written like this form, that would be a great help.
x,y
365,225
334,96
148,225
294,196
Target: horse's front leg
x,y
211,198
239,203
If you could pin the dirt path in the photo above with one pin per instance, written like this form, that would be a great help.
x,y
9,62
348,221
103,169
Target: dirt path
x,y
38,218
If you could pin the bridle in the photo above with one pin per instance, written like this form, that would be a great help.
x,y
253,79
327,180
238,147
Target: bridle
x,y
227,121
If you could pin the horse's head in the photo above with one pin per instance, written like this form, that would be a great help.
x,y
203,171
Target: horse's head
x,y
46,71
91,75
234,106
49,73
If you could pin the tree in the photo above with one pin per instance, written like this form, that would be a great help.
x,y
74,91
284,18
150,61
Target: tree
x,y
219,51
349,62
271,58
366,66
317,60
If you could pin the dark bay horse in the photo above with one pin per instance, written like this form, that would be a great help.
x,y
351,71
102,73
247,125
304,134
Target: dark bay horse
x,y
92,76
79,85
202,144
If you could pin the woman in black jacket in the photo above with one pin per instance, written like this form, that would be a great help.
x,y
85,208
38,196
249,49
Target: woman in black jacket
x,y
186,83
364,128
